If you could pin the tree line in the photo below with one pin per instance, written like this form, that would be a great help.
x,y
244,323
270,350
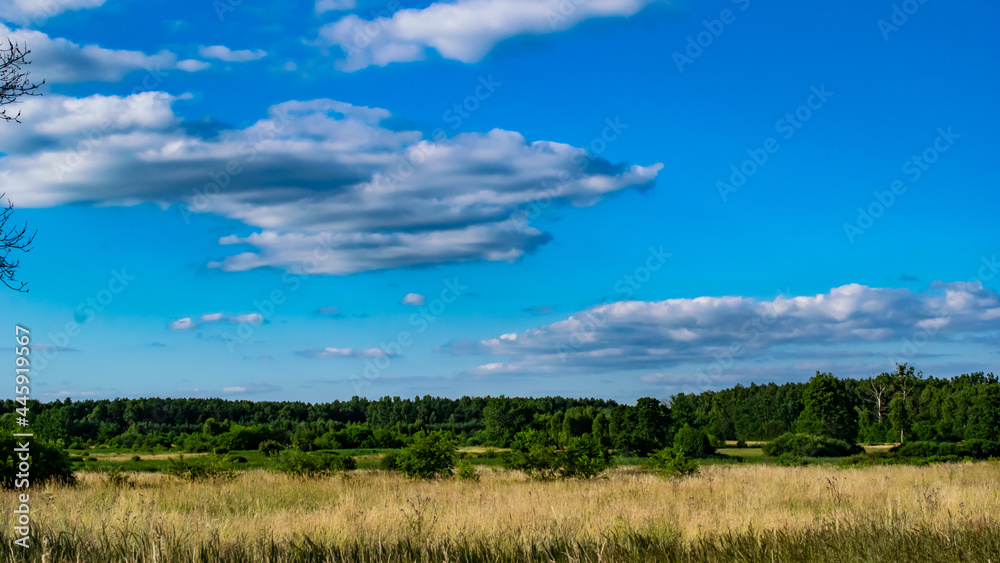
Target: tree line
x,y
889,407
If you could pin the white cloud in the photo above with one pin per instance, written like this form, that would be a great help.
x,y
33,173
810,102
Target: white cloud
x,y
192,65
412,299
655,335
323,6
464,30
223,53
182,324
35,12
330,189
61,61
343,353
187,323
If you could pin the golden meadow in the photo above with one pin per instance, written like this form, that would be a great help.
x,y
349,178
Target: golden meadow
x,y
940,512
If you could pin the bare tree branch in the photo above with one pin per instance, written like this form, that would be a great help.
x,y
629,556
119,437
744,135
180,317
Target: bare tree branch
x,y
14,81
12,239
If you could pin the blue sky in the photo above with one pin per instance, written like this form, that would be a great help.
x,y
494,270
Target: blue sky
x,y
614,198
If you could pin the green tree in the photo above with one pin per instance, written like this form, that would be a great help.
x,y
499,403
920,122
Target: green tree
x,y
585,457
534,453
692,442
430,455
829,410
601,430
899,417
212,427
46,463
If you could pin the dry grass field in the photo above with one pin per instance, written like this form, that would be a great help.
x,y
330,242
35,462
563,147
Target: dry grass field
x,y
940,512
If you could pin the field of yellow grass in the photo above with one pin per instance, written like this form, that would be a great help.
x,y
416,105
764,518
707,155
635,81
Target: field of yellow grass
x,y
506,512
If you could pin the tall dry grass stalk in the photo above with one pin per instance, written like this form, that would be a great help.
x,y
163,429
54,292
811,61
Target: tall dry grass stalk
x,y
515,515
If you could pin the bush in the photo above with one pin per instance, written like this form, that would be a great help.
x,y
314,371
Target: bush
x,y
807,445
977,449
237,459
671,462
389,462
467,472
220,451
201,468
48,463
269,448
693,442
136,458
531,451
430,455
872,459
302,464
789,459
584,456
118,478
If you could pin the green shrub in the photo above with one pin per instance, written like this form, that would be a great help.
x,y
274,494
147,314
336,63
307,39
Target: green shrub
x,y
466,471
237,459
430,455
118,478
584,456
807,445
220,451
693,442
532,451
741,444
789,459
48,463
671,462
304,464
872,459
389,462
976,449
269,448
201,468
136,458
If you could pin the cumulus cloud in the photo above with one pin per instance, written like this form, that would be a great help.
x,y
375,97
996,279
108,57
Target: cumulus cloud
x,y
342,353
223,53
34,12
464,30
331,190
412,299
62,61
187,323
192,65
647,335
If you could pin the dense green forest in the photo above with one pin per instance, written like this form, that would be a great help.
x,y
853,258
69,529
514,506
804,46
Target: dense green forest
x,y
884,408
